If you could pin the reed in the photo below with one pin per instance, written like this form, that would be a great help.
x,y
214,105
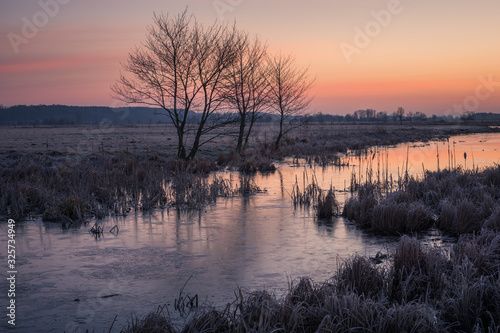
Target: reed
x,y
307,196
247,186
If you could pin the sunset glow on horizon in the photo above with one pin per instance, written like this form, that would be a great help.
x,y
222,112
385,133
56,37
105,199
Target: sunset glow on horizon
x,y
427,56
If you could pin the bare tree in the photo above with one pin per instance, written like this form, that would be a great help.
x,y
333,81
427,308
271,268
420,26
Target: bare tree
x,y
217,53
288,91
400,112
180,69
246,89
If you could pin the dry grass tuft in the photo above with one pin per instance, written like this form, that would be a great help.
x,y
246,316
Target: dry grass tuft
x,y
359,276
360,207
399,218
327,205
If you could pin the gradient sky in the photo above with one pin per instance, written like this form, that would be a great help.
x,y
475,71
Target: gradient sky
x,y
428,56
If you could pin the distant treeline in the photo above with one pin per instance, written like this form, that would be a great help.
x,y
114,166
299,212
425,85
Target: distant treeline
x,y
90,115
370,115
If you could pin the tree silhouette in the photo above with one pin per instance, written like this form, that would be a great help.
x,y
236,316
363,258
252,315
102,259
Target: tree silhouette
x,y
181,68
288,91
400,112
247,86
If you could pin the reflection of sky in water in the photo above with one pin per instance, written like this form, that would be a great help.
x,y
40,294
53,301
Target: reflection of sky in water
x,y
257,242
482,150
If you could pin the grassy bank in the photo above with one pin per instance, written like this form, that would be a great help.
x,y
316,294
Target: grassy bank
x,y
419,289
457,201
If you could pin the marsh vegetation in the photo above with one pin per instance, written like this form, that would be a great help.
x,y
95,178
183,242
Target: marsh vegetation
x,y
456,201
61,190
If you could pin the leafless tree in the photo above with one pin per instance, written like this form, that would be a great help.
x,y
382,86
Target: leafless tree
x,y
217,53
181,69
288,91
400,112
246,89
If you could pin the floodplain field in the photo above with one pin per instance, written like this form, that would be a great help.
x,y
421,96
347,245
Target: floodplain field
x,y
309,139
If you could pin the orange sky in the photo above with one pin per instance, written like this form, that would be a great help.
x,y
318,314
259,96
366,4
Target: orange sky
x,y
426,56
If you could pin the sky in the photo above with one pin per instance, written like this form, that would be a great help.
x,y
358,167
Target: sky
x,y
437,57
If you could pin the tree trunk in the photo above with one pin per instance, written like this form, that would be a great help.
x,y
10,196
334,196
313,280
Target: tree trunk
x,y
196,143
181,150
239,145
194,149
280,134
250,127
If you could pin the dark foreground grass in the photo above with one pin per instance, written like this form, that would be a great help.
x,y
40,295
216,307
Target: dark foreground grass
x,y
457,201
421,289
